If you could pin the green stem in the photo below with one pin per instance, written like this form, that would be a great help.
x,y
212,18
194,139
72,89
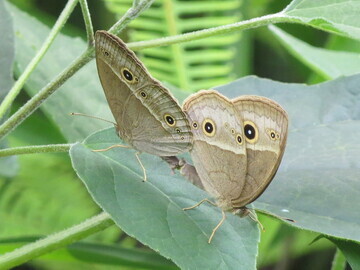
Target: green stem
x,y
88,55
34,149
55,241
130,15
15,90
339,261
49,89
44,93
87,20
243,25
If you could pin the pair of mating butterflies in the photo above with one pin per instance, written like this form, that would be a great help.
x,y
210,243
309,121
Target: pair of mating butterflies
x,y
236,145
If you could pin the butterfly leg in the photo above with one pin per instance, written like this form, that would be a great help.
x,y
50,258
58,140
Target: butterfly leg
x,y
217,226
198,204
142,166
247,212
111,147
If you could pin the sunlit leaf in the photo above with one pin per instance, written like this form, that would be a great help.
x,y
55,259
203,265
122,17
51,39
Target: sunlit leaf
x,y
336,16
328,63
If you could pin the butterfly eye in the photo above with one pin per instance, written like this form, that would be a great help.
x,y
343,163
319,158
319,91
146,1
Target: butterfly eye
x,y
208,127
195,125
239,139
128,76
169,120
250,131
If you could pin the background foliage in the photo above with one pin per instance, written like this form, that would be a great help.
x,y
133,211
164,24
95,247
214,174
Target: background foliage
x,y
44,200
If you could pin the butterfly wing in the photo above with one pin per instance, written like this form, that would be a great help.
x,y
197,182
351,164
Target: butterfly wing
x,y
218,152
148,117
265,131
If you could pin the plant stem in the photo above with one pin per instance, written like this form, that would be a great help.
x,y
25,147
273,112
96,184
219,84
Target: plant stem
x,y
135,3
131,14
243,25
34,149
55,241
44,93
49,89
339,261
87,20
15,90
88,55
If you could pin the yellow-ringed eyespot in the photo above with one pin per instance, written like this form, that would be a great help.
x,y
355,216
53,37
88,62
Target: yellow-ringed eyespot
x,y
209,127
251,132
239,139
195,125
128,76
272,135
143,94
232,131
277,136
170,121
178,130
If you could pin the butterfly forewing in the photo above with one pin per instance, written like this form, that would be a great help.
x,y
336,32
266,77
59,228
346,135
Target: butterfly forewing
x,y
147,115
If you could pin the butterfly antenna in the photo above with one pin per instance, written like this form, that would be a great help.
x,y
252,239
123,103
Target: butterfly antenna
x,y
94,117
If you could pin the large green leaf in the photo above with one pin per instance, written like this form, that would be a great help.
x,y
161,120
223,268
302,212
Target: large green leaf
x,y
152,211
8,165
328,63
318,181
316,185
338,16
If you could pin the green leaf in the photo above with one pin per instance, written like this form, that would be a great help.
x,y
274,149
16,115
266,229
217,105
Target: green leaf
x,y
45,188
6,51
95,253
318,181
280,240
327,63
8,165
152,211
339,261
82,93
341,17
351,251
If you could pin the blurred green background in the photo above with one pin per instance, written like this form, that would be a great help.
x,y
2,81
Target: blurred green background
x,y
33,209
